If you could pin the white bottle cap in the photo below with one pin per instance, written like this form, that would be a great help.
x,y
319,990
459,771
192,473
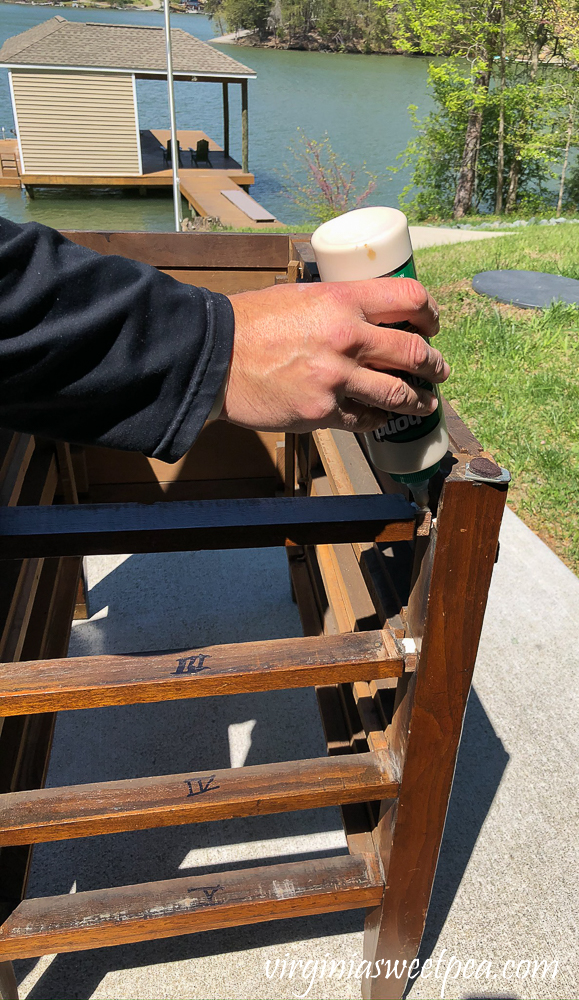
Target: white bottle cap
x,y
365,243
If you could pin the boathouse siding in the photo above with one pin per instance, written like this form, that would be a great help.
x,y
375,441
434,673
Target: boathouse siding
x,y
74,97
77,123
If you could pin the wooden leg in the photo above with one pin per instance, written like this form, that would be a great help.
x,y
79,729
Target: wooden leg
x,y
8,987
445,616
290,464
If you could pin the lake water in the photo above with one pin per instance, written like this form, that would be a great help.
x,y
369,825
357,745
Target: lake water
x,y
360,101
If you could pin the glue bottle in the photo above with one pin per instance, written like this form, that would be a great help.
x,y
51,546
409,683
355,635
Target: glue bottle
x,y
375,243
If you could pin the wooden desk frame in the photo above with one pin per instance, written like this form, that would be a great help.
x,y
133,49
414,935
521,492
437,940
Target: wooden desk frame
x,y
392,603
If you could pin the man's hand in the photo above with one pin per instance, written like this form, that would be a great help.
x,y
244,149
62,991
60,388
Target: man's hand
x,y
308,356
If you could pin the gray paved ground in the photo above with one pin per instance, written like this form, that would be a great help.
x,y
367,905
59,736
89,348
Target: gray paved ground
x,y
433,236
506,886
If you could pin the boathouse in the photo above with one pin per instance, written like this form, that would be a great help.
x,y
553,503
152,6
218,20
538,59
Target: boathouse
x,y
75,102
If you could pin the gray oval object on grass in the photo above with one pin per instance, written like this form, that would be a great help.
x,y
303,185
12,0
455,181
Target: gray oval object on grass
x,y
527,289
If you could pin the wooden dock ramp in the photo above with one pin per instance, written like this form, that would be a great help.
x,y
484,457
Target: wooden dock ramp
x,y
206,192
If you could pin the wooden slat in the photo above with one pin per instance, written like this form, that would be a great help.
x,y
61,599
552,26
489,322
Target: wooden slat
x,y
303,593
91,529
344,463
226,282
18,617
264,251
326,612
356,817
350,588
33,482
170,800
462,440
349,471
14,467
93,681
155,910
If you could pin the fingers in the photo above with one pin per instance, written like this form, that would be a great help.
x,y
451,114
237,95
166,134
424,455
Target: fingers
x,y
385,349
353,416
387,392
395,300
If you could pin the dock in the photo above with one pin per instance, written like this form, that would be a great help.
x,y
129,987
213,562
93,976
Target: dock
x,y
202,187
74,97
9,164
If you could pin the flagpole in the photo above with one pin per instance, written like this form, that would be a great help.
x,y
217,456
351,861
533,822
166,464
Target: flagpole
x,y
174,146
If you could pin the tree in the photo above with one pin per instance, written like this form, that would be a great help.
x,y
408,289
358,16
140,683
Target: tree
x,y
503,112
465,29
251,14
436,152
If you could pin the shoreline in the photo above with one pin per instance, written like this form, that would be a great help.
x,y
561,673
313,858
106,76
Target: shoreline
x,y
246,38
153,5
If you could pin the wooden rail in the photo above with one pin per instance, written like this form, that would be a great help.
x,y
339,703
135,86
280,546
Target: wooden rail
x,y
193,797
95,681
155,910
98,529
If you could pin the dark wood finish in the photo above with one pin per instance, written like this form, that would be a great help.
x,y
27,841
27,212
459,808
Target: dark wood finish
x,y
303,592
462,440
66,473
226,282
348,472
426,728
358,607
221,452
154,910
90,529
356,818
81,612
390,719
95,681
36,623
18,451
205,251
209,489
8,985
34,482
289,470
193,797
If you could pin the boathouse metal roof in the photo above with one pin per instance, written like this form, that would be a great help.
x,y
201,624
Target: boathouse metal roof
x,y
132,48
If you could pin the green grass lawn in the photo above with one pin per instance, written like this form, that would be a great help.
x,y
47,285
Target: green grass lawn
x,y
515,373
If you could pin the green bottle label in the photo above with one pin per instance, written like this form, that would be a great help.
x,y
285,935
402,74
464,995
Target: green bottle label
x,y
402,427
408,271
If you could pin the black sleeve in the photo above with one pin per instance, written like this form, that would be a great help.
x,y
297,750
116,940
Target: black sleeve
x,y
103,350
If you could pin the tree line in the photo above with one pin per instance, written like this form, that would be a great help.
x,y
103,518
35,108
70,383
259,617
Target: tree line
x,y
338,25
503,133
